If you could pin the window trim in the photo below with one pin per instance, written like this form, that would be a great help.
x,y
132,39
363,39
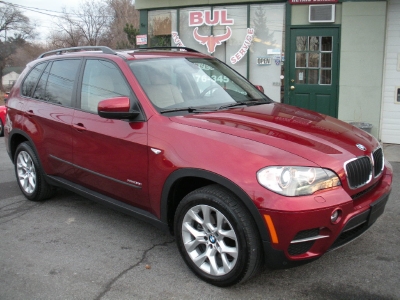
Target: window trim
x,y
132,97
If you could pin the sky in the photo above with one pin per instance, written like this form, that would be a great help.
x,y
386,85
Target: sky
x,y
43,12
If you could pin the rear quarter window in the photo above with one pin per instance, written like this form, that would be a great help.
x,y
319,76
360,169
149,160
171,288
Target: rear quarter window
x,y
30,81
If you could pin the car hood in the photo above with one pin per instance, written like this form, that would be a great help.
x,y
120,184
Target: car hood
x,y
321,139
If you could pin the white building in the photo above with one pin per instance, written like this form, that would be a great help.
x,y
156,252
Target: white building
x,y
390,120
9,78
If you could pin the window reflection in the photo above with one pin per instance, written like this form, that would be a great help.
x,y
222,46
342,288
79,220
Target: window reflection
x,y
314,59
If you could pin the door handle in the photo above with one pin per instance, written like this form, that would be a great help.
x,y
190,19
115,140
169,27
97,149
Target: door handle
x,y
30,113
79,127
292,87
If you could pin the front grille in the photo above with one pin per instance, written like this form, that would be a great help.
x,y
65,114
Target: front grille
x,y
364,192
359,171
378,161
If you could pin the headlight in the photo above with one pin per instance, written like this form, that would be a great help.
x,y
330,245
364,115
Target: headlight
x,y
297,181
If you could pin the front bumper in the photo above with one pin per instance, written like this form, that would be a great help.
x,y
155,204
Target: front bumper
x,y
302,236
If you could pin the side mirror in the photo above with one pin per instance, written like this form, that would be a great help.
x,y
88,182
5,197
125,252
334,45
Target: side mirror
x,y
260,88
116,108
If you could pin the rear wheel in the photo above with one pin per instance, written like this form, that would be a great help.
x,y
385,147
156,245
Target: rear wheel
x,y
29,174
217,237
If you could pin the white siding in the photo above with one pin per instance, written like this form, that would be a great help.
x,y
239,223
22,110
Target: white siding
x,y
390,127
9,78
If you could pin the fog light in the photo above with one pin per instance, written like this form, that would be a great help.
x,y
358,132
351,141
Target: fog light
x,y
335,217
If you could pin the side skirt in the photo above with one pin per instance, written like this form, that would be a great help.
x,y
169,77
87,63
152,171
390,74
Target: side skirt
x,y
108,201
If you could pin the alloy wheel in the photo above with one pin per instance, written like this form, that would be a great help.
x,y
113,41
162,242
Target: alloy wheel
x,y
210,240
26,172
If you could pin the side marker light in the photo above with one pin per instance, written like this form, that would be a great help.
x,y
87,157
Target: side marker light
x,y
271,227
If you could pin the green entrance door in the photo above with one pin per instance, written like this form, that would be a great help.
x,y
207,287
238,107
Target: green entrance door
x,y
313,71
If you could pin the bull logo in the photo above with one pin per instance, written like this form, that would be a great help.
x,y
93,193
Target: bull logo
x,y
212,41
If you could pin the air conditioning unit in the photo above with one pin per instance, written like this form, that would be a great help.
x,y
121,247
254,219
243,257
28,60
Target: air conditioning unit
x,y
321,13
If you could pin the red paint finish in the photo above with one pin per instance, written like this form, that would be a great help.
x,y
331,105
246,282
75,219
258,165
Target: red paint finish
x,y
3,111
132,160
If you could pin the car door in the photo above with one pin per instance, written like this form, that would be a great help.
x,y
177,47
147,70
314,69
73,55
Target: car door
x,y
110,156
49,110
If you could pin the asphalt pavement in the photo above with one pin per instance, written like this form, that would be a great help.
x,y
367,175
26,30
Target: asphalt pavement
x,y
71,248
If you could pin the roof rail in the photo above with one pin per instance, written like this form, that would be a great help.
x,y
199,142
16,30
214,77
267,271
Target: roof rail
x,y
167,47
104,49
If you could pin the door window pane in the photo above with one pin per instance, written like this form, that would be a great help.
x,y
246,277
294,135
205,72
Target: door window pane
x,y
314,43
300,76
60,83
301,60
326,76
326,60
326,43
301,43
313,60
313,76
101,80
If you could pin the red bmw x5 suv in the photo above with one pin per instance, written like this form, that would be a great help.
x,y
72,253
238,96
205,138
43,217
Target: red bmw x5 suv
x,y
179,139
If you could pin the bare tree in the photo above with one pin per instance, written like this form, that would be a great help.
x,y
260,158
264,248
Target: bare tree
x,y
14,23
26,53
13,20
87,25
124,15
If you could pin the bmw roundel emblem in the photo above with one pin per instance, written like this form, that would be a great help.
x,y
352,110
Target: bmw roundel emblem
x,y
212,239
361,147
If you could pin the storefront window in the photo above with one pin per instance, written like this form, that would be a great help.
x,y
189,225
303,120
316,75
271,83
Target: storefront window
x,y
251,42
267,50
239,31
161,25
186,31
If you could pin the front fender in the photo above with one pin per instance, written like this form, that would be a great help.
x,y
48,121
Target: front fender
x,y
212,178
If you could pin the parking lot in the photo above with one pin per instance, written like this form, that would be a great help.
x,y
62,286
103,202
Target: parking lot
x,y
71,248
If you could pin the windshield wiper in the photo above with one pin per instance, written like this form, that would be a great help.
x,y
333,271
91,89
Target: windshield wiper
x,y
248,103
188,109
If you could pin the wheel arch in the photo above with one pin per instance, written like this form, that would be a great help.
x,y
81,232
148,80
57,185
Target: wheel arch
x,y
15,138
183,181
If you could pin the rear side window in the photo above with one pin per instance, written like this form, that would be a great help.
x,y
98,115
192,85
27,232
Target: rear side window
x,y
30,81
101,80
60,81
40,91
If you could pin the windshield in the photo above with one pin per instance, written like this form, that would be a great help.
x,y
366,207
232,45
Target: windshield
x,y
175,84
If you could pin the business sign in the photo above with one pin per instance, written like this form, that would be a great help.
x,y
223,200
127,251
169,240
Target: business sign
x,y
212,18
141,39
219,17
313,1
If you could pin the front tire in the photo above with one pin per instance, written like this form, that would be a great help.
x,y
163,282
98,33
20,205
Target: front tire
x,y
217,237
30,176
